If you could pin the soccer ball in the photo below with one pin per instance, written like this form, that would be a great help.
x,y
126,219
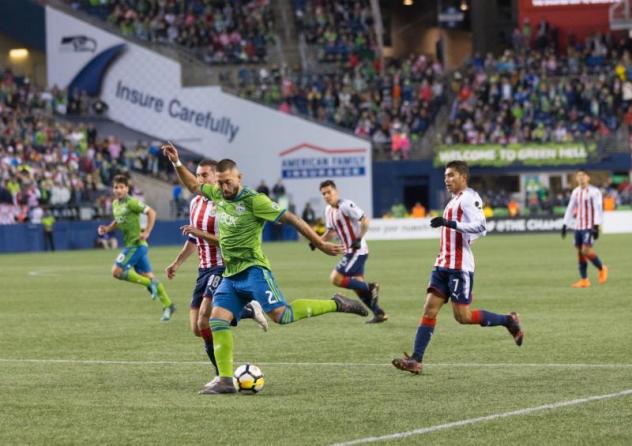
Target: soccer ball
x,y
249,379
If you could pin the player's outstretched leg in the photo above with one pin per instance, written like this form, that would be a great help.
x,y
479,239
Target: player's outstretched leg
x,y
510,321
306,308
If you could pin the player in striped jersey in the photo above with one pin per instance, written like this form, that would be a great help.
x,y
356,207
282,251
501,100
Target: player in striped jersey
x,y
202,235
343,218
452,277
585,207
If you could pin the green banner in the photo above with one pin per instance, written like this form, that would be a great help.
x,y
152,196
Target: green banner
x,y
495,155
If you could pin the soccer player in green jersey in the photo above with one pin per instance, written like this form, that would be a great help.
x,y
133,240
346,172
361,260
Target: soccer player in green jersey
x,y
132,264
242,213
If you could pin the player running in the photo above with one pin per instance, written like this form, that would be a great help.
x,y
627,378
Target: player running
x,y
585,207
132,264
242,213
346,220
452,277
202,236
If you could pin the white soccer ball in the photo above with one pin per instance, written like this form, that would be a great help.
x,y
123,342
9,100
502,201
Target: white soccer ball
x,y
249,379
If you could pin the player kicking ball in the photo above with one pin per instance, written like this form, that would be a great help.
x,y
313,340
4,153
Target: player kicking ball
x,y
203,236
452,277
344,219
586,207
242,213
132,264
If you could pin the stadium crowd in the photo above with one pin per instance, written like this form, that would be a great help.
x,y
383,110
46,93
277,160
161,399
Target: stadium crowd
x,y
537,93
393,107
218,31
339,30
48,162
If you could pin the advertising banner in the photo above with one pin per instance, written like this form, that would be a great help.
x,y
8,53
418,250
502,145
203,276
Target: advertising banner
x,y
419,228
495,155
143,91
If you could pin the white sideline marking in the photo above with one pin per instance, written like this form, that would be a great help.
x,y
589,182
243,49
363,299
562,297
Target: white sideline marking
x,y
321,364
498,416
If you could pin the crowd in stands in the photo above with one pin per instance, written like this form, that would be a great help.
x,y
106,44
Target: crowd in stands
x,y
537,93
340,29
49,163
393,107
219,31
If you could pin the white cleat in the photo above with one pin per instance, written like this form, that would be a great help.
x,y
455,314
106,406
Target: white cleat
x,y
212,382
259,315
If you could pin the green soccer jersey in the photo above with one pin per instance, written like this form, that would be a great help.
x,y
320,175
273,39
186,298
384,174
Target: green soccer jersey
x,y
127,215
241,222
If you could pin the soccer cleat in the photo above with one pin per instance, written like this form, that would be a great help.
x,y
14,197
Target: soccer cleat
x,y
408,364
167,313
211,382
224,384
515,329
379,317
258,315
582,283
603,274
346,305
153,289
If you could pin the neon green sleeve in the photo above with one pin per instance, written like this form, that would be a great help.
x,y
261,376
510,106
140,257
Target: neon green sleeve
x,y
210,191
266,209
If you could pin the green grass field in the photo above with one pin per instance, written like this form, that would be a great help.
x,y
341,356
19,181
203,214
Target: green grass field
x,y
84,359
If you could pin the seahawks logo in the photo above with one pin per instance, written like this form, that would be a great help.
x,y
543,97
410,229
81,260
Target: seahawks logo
x,y
240,208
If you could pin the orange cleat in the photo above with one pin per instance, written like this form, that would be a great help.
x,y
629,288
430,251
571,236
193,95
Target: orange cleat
x,y
581,283
603,274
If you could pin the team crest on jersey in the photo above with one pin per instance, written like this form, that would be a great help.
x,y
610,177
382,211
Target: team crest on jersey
x,y
240,208
275,206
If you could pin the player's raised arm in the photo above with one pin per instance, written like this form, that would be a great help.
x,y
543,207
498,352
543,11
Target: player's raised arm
x,y
307,231
187,178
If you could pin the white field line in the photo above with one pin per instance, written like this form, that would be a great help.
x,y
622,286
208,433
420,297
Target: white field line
x,y
493,417
322,364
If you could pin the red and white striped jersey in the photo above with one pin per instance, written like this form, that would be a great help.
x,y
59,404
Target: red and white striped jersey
x,y
345,220
585,207
202,216
466,209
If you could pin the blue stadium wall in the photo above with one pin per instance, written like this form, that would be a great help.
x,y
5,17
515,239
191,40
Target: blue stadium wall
x,y
70,235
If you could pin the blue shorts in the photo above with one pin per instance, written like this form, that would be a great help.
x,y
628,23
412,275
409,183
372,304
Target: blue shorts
x,y
254,283
452,284
352,264
584,237
134,256
207,282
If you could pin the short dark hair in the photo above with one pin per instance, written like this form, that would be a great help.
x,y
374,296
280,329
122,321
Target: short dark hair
x,y
122,179
583,171
208,163
226,164
327,183
459,166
